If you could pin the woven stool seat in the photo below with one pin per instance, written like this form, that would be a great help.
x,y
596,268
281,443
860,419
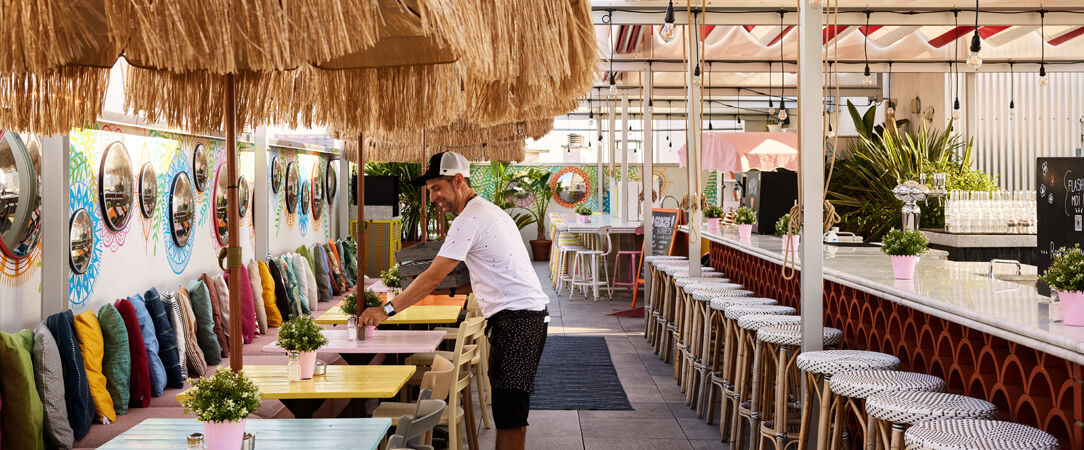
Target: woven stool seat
x,y
651,259
734,312
964,434
754,322
710,285
913,407
720,303
705,295
710,278
864,383
674,269
791,335
830,362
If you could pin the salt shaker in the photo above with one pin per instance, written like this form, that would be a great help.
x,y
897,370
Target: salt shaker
x,y
195,441
293,366
352,328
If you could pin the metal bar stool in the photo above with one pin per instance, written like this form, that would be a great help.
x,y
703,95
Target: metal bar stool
x,y
588,261
752,384
850,389
817,370
974,434
722,354
698,299
633,284
778,426
897,410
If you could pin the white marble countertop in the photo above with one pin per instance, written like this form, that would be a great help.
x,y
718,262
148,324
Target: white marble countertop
x,y
980,240
595,221
957,292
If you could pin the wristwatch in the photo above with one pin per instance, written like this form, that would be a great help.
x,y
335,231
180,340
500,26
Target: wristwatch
x,y
389,309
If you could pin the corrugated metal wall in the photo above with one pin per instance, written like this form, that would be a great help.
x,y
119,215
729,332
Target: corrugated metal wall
x,y
1047,122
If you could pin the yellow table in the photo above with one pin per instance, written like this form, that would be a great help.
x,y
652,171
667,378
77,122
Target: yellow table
x,y
417,314
305,396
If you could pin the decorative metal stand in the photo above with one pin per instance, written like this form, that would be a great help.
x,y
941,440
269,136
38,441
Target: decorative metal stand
x,y
911,192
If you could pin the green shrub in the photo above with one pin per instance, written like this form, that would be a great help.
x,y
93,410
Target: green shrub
x,y
713,212
745,216
391,277
904,243
583,210
1066,271
372,300
350,305
301,334
226,396
783,224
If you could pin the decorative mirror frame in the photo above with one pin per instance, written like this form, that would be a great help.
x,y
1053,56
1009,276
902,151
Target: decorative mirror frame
x,y
276,185
291,203
114,147
172,207
147,206
220,206
306,197
27,215
244,196
198,168
88,248
331,181
574,171
318,186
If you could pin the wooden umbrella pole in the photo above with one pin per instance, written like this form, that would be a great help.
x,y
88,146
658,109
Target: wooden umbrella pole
x,y
359,236
233,250
425,195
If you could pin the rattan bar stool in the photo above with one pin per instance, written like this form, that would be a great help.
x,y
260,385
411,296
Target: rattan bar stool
x,y
897,410
778,426
723,355
817,370
685,311
653,295
660,297
752,383
670,312
850,390
700,335
974,434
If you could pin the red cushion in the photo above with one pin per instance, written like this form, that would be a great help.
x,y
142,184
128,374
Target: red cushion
x,y
221,325
248,307
140,385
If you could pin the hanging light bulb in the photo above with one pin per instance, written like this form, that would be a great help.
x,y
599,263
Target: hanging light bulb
x,y
696,75
868,78
591,118
890,109
1012,109
710,128
956,109
974,60
831,131
651,106
771,106
613,84
668,32
814,3
1042,75
782,114
782,110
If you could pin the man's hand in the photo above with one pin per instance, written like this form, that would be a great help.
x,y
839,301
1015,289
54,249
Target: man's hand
x,y
373,316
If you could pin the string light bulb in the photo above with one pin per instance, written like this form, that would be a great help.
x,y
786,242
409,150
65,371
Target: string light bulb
x,y
782,111
815,3
831,131
956,109
867,77
1012,109
1042,48
613,84
974,60
771,106
668,32
696,75
890,108
1042,75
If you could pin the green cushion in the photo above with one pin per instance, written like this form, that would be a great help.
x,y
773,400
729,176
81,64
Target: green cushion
x,y
297,298
205,322
117,363
24,415
49,376
304,252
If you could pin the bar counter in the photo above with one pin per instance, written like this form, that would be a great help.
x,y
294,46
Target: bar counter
x,y
987,338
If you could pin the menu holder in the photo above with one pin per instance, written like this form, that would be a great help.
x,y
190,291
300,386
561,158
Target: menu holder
x,y
1059,209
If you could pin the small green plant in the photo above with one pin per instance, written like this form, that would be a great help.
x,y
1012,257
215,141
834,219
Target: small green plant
x,y
350,305
391,277
904,243
782,226
372,300
226,396
583,210
713,212
1066,271
301,334
745,216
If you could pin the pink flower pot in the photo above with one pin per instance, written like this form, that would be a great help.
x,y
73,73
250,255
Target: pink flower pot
x,y
370,330
745,231
904,266
580,218
713,224
223,435
790,242
308,364
1072,307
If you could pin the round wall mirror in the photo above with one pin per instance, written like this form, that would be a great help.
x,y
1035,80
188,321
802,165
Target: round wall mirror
x,y
148,190
572,187
276,175
20,196
201,167
221,211
332,182
293,187
318,178
306,197
243,196
81,241
181,211
116,186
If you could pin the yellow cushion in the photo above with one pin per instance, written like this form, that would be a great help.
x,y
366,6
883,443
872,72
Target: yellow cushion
x,y
274,317
92,346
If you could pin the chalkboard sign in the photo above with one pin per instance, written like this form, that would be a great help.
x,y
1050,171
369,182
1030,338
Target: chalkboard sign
x,y
664,224
1060,208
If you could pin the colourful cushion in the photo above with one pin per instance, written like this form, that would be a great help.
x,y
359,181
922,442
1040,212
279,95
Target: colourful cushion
x,y
248,308
117,362
323,281
174,314
49,378
220,323
338,282
167,340
305,273
194,358
349,256
76,390
294,263
270,296
140,388
282,298
304,252
348,274
155,368
23,419
89,334
256,287
224,309
205,322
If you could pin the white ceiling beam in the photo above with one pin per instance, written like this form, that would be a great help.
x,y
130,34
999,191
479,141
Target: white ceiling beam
x,y
850,66
628,15
679,92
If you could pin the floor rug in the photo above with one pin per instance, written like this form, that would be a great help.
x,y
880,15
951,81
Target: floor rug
x,y
576,373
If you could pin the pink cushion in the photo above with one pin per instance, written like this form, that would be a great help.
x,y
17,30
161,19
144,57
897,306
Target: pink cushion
x,y
248,307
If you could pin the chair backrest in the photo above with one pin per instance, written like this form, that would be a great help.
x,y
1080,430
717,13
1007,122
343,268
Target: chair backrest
x,y
411,427
439,378
604,232
471,331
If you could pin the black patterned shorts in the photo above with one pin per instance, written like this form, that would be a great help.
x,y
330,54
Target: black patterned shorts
x,y
516,340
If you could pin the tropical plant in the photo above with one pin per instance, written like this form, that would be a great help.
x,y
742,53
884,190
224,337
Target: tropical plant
x,y
536,181
226,396
782,226
904,243
301,334
713,212
506,187
391,277
583,210
1066,271
745,216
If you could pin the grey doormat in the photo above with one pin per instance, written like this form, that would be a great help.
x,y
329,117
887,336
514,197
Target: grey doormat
x,y
576,373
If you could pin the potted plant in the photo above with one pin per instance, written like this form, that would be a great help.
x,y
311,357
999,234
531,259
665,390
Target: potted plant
x,y
744,217
713,214
1066,274
537,182
904,247
773,125
300,334
392,280
791,238
583,213
222,402
350,307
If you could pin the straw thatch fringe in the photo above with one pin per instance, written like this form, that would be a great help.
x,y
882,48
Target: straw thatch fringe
x,y
54,102
41,35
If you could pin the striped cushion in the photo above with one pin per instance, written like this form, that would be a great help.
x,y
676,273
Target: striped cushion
x,y
253,270
76,389
167,339
49,377
194,359
174,315
200,302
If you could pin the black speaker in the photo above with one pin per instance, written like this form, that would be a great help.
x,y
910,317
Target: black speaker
x,y
770,195
382,190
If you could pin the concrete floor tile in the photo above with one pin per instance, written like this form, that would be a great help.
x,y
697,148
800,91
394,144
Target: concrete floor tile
x,y
695,428
641,410
709,444
661,428
635,444
646,394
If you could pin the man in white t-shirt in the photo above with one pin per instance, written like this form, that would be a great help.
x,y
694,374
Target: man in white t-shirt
x,y
486,238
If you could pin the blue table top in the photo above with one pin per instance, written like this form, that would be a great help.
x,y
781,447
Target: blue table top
x,y
292,434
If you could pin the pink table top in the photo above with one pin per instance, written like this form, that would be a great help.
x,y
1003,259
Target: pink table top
x,y
383,341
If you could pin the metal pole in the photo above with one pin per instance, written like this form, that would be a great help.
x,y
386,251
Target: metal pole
x,y
622,184
693,135
598,159
55,220
811,139
611,146
261,188
233,250
359,236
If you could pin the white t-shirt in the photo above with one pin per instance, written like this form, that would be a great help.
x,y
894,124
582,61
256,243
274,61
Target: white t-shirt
x,y
486,238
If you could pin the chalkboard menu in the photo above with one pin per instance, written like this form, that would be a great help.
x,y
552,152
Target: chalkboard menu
x,y
1060,209
664,224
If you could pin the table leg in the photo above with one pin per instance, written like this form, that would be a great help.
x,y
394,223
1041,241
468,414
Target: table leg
x,y
303,408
